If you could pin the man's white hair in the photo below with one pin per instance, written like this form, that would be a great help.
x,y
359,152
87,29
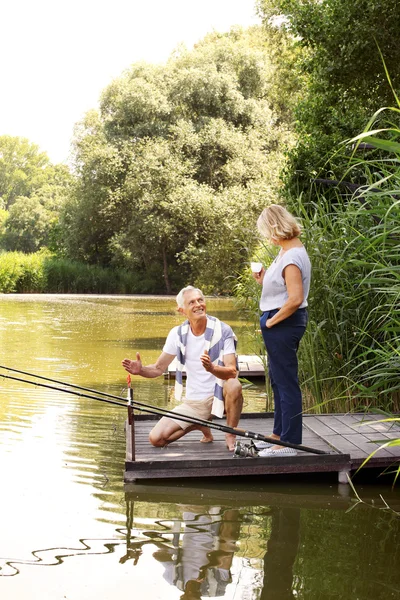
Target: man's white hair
x,y
189,288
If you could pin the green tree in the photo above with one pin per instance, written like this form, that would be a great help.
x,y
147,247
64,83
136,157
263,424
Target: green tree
x,y
32,222
23,168
3,218
178,156
341,46
27,225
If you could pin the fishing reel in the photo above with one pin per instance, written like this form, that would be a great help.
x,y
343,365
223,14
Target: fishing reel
x,y
245,450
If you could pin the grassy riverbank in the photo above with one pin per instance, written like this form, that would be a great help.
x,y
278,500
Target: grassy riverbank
x,y
41,272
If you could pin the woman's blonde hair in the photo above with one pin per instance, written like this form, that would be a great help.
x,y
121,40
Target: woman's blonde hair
x,y
275,222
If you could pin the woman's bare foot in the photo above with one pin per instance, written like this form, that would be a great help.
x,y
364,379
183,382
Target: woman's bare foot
x,y
230,440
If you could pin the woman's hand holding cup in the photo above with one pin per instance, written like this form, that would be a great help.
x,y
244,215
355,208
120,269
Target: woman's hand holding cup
x,y
257,270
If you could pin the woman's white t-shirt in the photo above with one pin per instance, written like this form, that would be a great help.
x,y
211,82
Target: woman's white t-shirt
x,y
274,292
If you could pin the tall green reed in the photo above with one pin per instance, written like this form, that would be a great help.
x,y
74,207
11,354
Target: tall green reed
x,y
354,245
41,272
21,273
350,355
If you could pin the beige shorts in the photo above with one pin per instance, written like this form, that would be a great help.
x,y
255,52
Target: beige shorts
x,y
200,409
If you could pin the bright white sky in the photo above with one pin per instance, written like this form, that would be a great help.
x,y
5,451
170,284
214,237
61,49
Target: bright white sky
x,y
57,57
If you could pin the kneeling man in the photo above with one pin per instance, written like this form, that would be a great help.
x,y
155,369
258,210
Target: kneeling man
x,y
206,347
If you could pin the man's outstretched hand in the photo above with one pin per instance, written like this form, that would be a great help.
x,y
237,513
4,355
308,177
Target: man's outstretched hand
x,y
133,366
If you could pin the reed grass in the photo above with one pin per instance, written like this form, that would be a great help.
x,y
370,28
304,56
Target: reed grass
x,y
350,353
21,273
349,357
41,272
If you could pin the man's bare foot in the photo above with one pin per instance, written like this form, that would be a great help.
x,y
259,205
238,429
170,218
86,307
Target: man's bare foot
x,y
207,439
230,440
207,435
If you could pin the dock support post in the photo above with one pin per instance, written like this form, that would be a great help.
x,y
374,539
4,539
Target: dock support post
x,y
130,434
343,476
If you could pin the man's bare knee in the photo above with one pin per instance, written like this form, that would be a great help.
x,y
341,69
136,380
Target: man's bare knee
x,y
233,388
156,440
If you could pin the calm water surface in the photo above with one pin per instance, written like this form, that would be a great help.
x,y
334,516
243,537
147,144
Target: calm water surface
x,y
69,528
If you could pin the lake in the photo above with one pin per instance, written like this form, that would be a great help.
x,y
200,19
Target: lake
x,y
71,530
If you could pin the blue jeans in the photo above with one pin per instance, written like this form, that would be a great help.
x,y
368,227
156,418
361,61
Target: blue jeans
x,y
282,342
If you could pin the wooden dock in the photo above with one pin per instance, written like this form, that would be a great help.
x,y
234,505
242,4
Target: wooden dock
x,y
250,366
347,441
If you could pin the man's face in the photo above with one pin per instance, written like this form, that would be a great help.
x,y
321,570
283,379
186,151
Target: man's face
x,y
194,306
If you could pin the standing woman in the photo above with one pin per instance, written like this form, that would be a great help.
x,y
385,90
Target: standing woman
x,y
285,287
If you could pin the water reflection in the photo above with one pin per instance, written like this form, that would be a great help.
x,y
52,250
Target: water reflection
x,y
200,559
197,549
147,344
253,541
269,544
282,548
51,557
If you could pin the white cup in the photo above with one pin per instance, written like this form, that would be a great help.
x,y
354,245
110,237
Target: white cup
x,y
256,267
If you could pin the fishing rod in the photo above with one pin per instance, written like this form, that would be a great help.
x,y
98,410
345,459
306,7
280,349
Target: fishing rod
x,y
165,411
157,411
161,410
130,404
71,385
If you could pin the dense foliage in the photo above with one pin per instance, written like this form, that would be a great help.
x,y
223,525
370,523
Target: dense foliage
x,y
341,46
350,355
32,193
43,272
177,163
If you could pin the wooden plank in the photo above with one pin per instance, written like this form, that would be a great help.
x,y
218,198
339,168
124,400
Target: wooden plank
x,y
317,425
262,424
359,449
189,448
245,466
365,445
358,420
341,444
128,441
338,424
131,426
189,453
251,358
260,463
377,439
378,427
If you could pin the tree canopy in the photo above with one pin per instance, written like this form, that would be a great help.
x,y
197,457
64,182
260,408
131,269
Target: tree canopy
x,y
23,168
177,162
344,48
32,192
